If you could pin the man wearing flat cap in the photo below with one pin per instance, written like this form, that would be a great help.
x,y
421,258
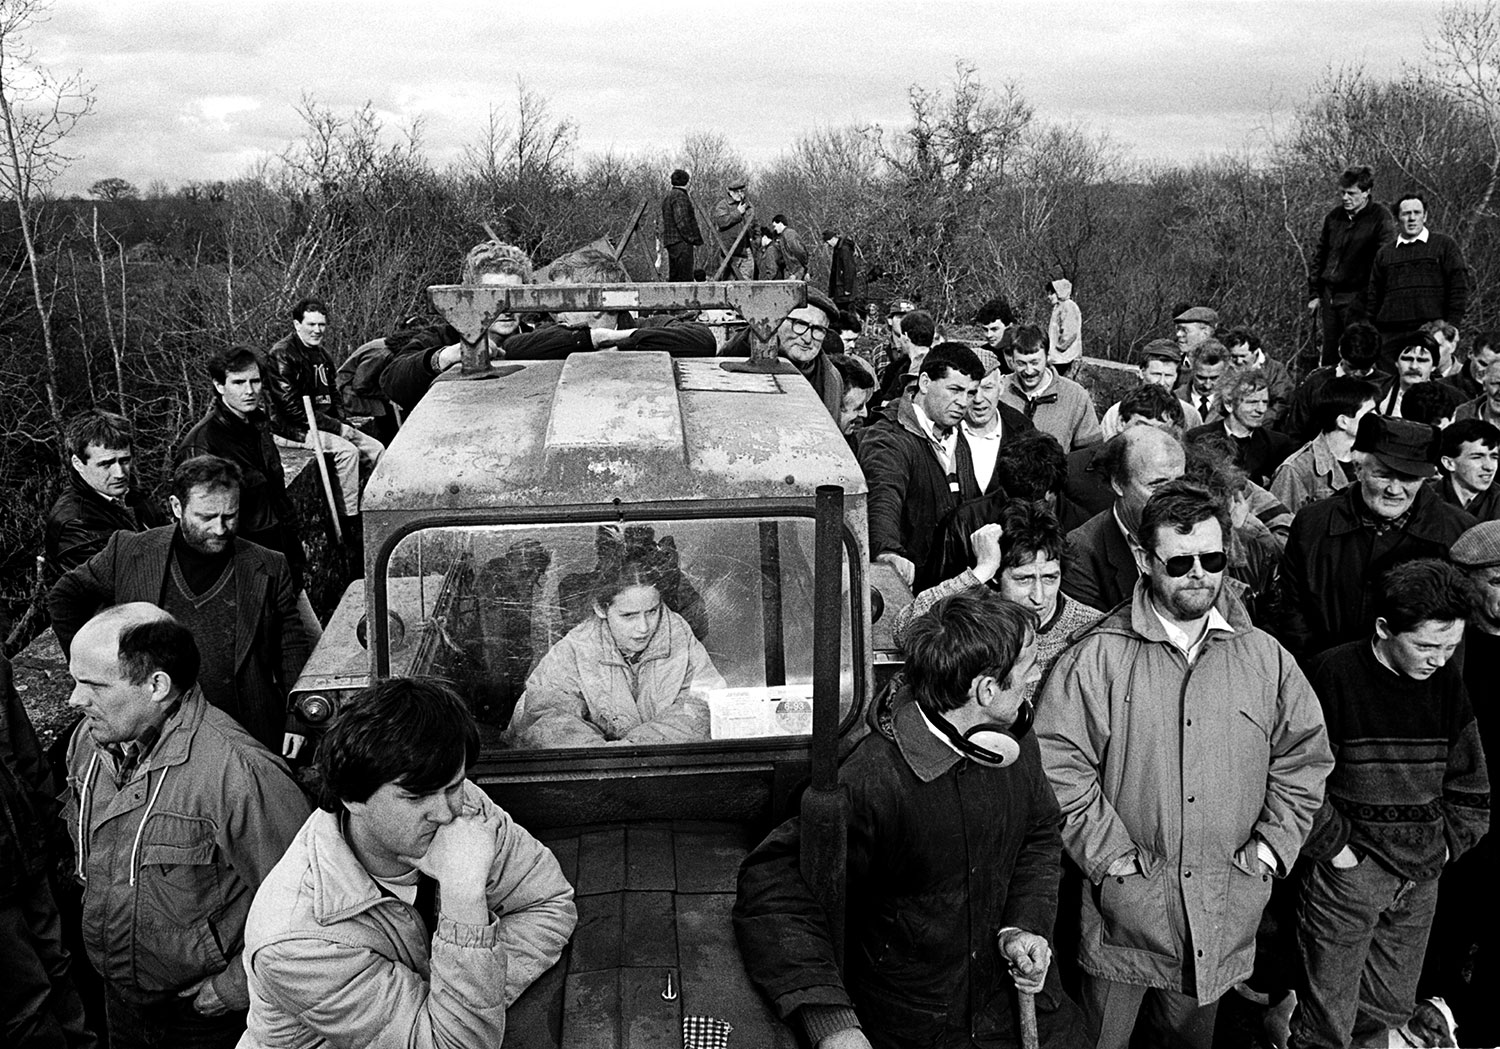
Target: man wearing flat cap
x,y
801,339
1195,326
1340,546
1461,934
1160,361
732,216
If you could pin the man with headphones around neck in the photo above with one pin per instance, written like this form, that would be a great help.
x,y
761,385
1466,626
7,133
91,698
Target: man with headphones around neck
x,y
953,860
1187,752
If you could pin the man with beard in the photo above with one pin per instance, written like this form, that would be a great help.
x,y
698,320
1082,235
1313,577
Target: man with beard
x,y
1341,545
235,596
914,459
1408,795
1187,753
236,428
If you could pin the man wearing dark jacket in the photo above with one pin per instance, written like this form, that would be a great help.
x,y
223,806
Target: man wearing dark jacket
x,y
914,457
297,366
1352,233
953,860
39,1006
791,249
236,597
1340,546
1359,356
841,270
1419,277
679,228
99,496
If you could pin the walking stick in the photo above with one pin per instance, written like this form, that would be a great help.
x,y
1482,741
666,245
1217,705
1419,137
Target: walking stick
x,y
1028,1019
317,444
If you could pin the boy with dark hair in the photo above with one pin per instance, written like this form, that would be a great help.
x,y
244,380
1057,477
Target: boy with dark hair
x,y
1408,794
953,860
409,902
1359,350
1468,452
1053,402
1325,464
1433,403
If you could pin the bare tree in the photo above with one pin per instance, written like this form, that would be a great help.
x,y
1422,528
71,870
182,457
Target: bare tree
x,y
38,111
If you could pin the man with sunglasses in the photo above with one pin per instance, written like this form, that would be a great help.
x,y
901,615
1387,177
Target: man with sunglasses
x,y
1187,753
953,860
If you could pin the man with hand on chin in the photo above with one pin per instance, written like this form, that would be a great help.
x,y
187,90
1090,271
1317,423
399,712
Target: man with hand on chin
x,y
1187,753
409,909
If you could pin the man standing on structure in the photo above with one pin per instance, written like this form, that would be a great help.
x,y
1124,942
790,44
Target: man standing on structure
x,y
679,228
732,216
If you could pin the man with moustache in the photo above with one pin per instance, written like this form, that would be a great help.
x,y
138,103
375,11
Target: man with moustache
x,y
1414,365
1187,753
235,596
1340,546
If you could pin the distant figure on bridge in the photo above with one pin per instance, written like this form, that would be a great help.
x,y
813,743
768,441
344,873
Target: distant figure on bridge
x,y
1352,234
631,672
99,496
733,216
1064,328
791,249
841,269
679,228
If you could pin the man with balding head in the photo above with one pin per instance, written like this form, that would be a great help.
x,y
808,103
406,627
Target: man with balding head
x,y
176,815
1102,571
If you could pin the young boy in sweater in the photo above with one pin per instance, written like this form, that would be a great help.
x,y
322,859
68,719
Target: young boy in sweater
x,y
1408,794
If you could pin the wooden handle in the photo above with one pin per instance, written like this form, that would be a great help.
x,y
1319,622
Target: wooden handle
x,y
1028,1020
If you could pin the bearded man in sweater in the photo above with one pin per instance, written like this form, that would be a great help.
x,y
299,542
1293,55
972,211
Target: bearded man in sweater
x,y
1408,794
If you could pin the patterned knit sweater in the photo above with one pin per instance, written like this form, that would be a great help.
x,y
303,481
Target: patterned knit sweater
x,y
1408,786
1411,284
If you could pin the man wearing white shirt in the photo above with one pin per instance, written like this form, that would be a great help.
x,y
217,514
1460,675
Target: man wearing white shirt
x,y
1421,277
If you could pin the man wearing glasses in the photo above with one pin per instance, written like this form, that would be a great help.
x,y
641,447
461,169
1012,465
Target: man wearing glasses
x,y
1188,754
800,339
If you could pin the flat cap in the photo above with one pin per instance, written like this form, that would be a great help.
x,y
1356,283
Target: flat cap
x,y
1162,349
1479,547
1201,314
987,358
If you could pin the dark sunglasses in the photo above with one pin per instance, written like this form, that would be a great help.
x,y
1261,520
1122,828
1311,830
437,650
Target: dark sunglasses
x,y
1182,564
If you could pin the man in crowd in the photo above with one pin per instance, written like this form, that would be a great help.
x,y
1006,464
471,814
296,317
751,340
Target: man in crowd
x,y
995,317
39,1004
1245,399
1102,571
913,459
679,228
1148,404
1469,379
1325,464
1195,326
1054,403
842,270
1064,327
410,905
793,252
953,860
1359,353
1408,795
858,380
801,339
178,816
1420,277
911,338
1415,361
1468,452
1187,753
1245,352
1340,546
1159,365
298,366
1209,363
1445,337
99,496
236,428
735,215
235,596
1351,235
1486,406
988,424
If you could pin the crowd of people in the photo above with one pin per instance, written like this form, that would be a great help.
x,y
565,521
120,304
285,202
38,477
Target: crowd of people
x,y
1192,704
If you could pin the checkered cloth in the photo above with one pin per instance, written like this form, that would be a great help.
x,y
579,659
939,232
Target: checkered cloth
x,y
704,1032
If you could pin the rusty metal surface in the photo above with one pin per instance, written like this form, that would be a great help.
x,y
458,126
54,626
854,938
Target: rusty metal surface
x,y
599,427
340,662
472,308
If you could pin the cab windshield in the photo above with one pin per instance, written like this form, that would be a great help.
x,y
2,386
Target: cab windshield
x,y
667,633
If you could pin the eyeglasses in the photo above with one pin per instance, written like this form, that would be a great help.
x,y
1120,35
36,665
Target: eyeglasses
x,y
1182,564
800,327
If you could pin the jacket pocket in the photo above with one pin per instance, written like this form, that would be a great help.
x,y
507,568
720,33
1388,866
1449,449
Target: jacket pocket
x,y
1247,893
177,894
1133,910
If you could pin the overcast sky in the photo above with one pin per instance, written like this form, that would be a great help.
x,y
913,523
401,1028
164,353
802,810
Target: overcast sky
x,y
199,89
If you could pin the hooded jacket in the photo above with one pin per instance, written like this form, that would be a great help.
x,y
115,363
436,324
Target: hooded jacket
x,y
170,860
1065,327
335,961
1183,765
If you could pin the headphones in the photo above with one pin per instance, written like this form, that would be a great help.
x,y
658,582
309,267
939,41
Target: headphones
x,y
991,743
